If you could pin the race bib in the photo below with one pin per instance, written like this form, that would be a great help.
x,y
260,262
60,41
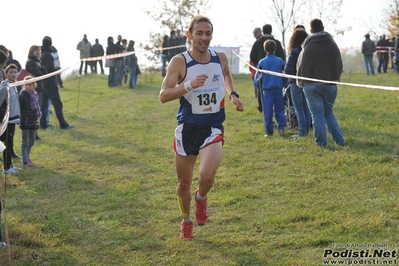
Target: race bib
x,y
205,101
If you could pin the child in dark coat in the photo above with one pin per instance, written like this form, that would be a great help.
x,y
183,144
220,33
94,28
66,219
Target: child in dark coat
x,y
30,114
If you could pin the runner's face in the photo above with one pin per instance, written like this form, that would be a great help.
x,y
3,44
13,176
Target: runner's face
x,y
201,36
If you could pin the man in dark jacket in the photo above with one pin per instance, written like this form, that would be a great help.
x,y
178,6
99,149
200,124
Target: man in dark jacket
x,y
383,46
368,49
98,50
258,52
50,88
320,58
173,42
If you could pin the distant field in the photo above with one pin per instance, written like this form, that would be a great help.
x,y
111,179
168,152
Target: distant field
x,y
104,193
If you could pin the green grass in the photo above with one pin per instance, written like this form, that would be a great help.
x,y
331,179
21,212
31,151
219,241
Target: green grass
x,y
104,193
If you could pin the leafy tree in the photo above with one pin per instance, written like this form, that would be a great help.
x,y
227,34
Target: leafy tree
x,y
392,13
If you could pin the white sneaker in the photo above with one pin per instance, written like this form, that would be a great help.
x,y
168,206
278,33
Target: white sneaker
x,y
3,244
16,168
10,171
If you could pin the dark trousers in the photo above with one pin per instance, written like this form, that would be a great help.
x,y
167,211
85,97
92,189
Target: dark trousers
x,y
259,97
59,80
86,63
95,66
51,92
384,64
8,139
111,77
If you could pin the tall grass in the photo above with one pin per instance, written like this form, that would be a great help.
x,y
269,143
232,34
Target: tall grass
x,y
104,193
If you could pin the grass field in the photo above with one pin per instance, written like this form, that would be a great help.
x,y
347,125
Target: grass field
x,y
104,193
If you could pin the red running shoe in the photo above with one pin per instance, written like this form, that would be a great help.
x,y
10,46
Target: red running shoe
x,y
186,230
201,210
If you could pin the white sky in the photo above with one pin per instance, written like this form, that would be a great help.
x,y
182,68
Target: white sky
x,y
66,22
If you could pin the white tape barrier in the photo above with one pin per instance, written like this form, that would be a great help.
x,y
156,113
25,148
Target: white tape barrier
x,y
23,82
317,80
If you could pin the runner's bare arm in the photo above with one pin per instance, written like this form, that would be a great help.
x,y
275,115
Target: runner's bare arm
x,y
176,72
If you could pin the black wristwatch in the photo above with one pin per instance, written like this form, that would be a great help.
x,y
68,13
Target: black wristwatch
x,y
235,93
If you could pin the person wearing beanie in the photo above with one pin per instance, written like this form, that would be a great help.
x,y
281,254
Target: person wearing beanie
x,y
51,91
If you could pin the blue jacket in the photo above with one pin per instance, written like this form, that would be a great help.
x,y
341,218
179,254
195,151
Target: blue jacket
x,y
290,68
269,82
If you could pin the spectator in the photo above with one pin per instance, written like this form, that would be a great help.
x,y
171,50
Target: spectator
x,y
257,53
51,91
181,40
57,65
383,54
30,113
172,44
272,88
110,62
11,74
131,63
297,95
392,52
118,66
98,50
164,54
368,49
125,68
84,47
257,34
11,60
3,61
397,55
320,58
136,77
35,67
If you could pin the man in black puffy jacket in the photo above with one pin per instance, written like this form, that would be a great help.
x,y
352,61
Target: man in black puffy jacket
x,y
50,88
258,52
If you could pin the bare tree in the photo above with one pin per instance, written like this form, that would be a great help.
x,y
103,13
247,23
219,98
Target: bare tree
x,y
328,11
283,15
286,14
171,15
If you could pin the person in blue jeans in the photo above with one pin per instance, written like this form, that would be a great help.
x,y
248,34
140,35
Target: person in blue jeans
x,y
368,49
297,95
320,59
131,62
272,88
